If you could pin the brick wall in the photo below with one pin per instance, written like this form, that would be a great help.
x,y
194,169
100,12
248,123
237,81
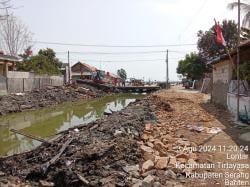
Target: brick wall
x,y
222,71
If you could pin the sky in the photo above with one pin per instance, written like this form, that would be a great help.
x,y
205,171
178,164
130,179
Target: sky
x,y
122,23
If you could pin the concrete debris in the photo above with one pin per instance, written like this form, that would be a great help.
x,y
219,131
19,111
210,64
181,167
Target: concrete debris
x,y
157,184
172,162
149,164
197,128
148,181
162,163
170,174
147,149
214,130
46,183
131,168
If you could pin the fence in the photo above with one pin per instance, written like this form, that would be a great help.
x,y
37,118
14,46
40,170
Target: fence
x,y
206,85
24,81
28,84
3,87
244,97
244,88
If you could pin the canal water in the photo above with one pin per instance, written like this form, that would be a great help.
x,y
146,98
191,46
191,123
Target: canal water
x,y
48,121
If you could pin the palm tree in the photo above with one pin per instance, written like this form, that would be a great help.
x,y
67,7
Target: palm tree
x,y
245,9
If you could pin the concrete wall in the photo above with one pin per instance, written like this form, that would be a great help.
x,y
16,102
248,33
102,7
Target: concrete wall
x,y
25,81
232,104
28,84
222,75
219,93
18,74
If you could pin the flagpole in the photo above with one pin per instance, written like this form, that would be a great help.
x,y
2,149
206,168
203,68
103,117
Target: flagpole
x,y
238,65
225,45
230,57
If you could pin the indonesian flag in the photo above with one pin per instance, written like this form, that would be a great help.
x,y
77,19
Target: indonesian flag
x,y
219,36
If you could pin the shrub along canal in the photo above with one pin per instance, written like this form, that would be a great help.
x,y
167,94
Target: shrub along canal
x,y
45,123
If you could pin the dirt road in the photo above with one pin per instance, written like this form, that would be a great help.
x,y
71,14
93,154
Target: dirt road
x,y
200,142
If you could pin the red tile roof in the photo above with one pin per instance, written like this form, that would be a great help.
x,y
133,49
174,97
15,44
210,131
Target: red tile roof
x,y
91,68
114,75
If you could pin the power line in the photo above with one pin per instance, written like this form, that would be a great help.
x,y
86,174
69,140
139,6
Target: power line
x,y
112,53
194,16
110,46
117,53
137,60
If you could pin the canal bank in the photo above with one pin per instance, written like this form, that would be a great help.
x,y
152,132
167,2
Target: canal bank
x,y
88,155
152,142
45,97
47,122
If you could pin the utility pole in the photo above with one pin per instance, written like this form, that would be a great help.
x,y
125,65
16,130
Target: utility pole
x,y
69,70
167,70
238,65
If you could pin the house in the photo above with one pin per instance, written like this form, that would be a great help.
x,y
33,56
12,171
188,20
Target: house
x,y
224,84
113,79
7,63
82,71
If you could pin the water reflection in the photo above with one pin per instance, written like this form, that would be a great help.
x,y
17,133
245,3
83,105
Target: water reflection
x,y
47,122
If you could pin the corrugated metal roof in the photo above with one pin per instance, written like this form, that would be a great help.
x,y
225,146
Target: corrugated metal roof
x,y
9,58
233,52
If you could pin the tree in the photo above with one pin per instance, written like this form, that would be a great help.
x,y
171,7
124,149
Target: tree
x,y
14,35
245,71
4,6
27,54
45,62
207,46
192,67
245,10
122,73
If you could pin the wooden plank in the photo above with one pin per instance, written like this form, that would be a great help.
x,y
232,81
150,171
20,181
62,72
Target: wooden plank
x,y
46,166
85,181
30,136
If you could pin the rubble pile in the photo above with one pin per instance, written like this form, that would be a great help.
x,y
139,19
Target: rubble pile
x,y
167,145
51,95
